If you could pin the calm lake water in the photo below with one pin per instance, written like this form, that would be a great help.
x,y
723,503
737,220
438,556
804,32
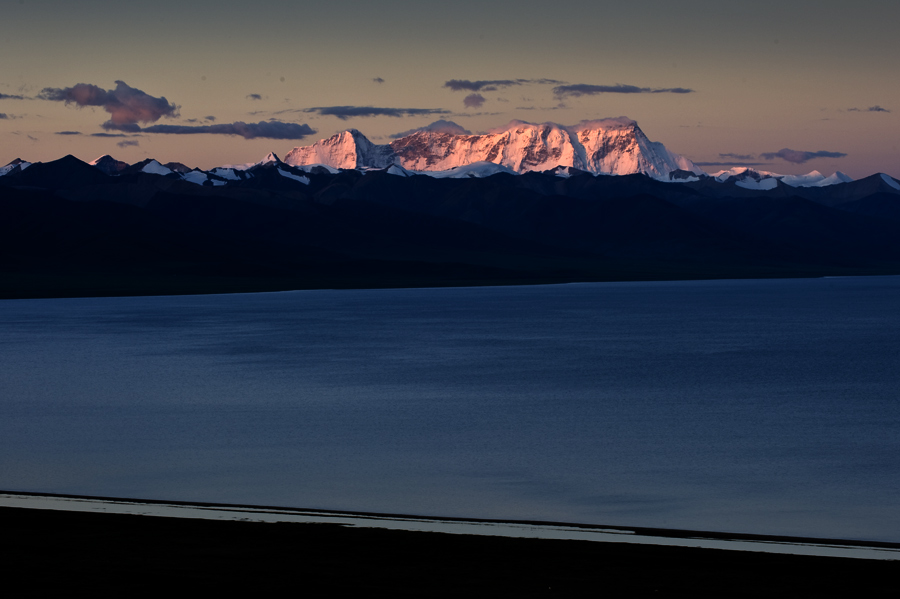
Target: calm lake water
x,y
747,406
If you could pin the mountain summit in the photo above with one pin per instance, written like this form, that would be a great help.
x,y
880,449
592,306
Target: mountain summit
x,y
109,165
348,149
609,146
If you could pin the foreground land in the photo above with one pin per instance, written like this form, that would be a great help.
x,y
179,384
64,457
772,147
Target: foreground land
x,y
63,551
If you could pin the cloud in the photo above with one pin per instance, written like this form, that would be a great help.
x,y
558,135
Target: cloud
x,y
126,127
737,163
210,118
471,114
126,105
490,85
875,108
474,101
3,115
108,135
584,89
799,156
347,112
378,80
559,106
441,126
263,130
68,133
254,97
128,142
12,97
25,134
738,156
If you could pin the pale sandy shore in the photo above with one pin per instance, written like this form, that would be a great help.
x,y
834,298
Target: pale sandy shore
x,y
116,542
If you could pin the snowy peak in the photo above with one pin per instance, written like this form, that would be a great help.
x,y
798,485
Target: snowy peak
x,y
810,179
838,177
742,173
271,158
15,166
618,146
348,149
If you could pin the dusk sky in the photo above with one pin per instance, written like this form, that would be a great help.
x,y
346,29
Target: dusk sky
x,y
212,83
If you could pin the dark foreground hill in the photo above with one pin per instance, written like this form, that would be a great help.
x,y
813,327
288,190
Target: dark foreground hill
x,y
69,229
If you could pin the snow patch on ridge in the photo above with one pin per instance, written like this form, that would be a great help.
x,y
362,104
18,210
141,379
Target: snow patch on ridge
x,y
396,169
890,181
475,170
226,173
761,185
317,168
300,178
196,177
155,168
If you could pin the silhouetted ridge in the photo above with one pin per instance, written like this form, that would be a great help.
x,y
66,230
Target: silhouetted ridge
x,y
67,172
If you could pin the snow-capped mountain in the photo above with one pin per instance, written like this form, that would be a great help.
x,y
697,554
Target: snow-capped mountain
x,y
348,149
749,178
618,146
742,173
609,146
15,166
271,158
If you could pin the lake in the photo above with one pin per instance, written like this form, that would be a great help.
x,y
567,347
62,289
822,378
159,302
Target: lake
x,y
762,406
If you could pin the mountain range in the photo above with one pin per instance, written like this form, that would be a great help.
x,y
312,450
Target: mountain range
x,y
615,146
608,146
427,209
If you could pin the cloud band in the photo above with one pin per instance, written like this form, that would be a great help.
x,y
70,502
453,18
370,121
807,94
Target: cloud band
x,y
584,89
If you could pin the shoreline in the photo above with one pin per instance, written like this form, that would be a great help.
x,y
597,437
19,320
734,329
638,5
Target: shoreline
x,y
600,533
62,549
135,288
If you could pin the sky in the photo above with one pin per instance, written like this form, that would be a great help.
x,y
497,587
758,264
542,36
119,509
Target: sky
x,y
786,86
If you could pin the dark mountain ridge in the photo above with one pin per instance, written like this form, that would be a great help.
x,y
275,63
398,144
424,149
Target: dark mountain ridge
x,y
68,228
